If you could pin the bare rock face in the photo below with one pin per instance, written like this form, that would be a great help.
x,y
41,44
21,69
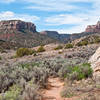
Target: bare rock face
x,y
11,28
22,33
17,25
93,28
95,64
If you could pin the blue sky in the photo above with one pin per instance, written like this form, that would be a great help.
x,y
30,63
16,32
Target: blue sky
x,y
64,16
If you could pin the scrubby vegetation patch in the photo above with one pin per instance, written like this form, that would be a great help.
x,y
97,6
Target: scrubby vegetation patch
x,y
58,47
41,49
24,51
69,45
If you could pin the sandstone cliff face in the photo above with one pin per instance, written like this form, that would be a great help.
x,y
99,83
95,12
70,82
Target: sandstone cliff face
x,y
11,29
93,28
95,64
22,33
17,25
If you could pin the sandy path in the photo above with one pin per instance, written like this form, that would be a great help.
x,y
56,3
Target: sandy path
x,y
54,88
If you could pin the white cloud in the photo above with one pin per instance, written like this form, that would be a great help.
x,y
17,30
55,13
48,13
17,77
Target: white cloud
x,y
56,5
6,1
75,29
53,8
80,21
51,5
8,15
64,19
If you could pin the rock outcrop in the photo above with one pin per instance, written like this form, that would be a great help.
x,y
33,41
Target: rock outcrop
x,y
17,25
93,28
95,64
22,33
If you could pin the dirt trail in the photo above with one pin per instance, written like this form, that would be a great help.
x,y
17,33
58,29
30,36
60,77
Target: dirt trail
x,y
55,86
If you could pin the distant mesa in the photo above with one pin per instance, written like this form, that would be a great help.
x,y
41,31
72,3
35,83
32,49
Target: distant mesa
x,y
26,35
17,25
8,28
22,33
93,28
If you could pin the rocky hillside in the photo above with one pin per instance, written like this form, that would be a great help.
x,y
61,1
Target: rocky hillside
x,y
85,40
23,33
8,45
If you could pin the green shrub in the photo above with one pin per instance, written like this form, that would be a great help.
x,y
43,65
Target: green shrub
x,y
81,71
60,52
76,76
27,66
76,72
86,69
82,43
58,47
31,92
41,49
64,71
97,39
68,45
24,51
0,58
35,64
13,93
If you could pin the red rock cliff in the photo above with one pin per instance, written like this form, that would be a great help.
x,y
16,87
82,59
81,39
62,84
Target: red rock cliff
x,y
93,28
18,25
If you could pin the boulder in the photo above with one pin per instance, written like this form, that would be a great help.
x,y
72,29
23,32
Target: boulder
x,y
95,64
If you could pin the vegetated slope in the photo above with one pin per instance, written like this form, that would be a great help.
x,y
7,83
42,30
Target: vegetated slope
x,y
23,33
55,35
27,38
64,38
8,45
90,39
